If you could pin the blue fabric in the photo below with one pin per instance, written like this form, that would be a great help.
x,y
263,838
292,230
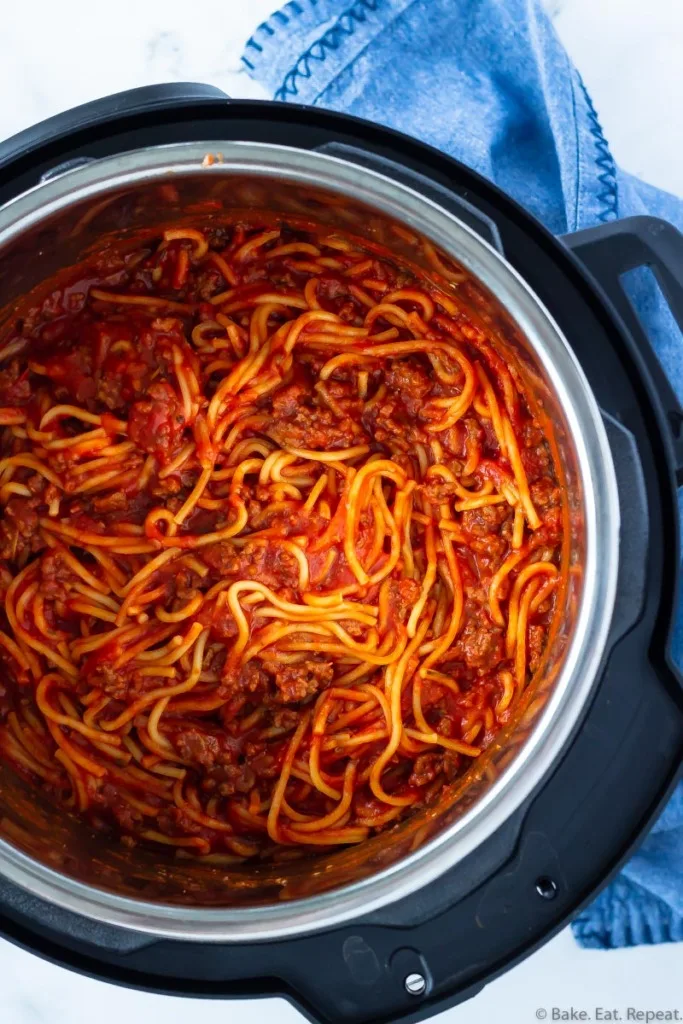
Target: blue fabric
x,y
488,82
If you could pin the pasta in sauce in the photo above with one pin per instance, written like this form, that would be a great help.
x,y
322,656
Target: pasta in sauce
x,y
280,541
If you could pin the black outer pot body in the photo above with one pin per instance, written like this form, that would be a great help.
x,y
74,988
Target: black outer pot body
x,y
535,873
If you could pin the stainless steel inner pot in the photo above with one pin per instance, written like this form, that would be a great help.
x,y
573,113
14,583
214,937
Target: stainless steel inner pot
x,y
57,857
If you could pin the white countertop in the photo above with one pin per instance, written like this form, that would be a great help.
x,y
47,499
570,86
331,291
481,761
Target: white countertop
x,y
56,55
629,52
559,976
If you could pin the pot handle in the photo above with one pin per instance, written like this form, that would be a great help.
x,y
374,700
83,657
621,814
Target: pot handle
x,y
434,190
610,250
145,99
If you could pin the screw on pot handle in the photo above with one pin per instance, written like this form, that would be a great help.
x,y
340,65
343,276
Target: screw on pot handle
x,y
426,186
611,250
366,975
608,252
146,99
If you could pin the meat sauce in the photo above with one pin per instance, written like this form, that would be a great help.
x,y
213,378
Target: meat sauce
x,y
280,545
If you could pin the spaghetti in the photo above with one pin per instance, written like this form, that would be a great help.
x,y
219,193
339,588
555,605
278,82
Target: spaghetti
x,y
280,541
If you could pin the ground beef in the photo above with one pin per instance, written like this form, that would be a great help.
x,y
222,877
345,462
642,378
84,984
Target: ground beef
x,y
285,719
480,522
465,436
285,523
117,501
19,529
155,424
119,507
218,617
531,434
545,494
250,682
408,379
269,564
489,553
116,683
537,463
227,779
198,747
299,682
340,392
264,766
550,532
474,434
428,767
214,659
125,376
170,485
205,748
402,596
534,453
425,770
113,389
56,578
272,684
355,629
390,423
480,643
333,295
300,422
535,646
438,491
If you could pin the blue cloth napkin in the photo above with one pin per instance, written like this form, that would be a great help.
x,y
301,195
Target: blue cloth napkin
x,y
488,82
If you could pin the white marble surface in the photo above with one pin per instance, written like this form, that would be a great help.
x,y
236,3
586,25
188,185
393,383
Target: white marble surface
x,y
55,55
630,53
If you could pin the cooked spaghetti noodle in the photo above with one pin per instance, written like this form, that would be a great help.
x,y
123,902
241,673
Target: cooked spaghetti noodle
x,y
280,541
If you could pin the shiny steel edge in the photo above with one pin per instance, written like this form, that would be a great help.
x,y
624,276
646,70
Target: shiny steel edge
x,y
601,509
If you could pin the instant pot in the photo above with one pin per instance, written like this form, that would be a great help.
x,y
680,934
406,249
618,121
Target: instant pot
x,y
423,916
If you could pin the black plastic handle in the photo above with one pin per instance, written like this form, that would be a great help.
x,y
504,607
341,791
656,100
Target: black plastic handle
x,y
484,226
611,250
635,528
608,252
132,101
